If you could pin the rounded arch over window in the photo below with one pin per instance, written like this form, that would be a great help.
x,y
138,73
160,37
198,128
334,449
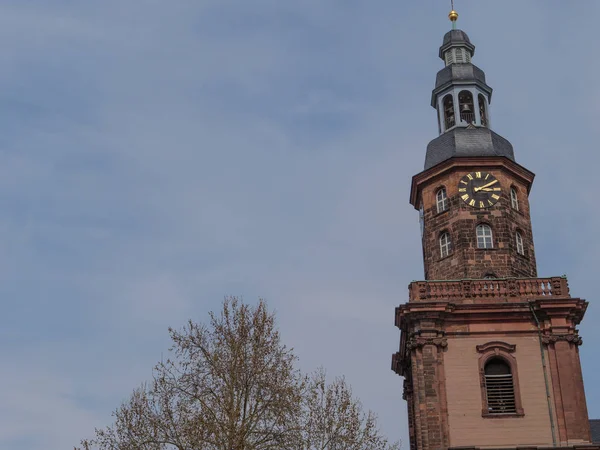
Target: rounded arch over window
x,y
441,199
445,244
484,235
482,110
448,105
466,107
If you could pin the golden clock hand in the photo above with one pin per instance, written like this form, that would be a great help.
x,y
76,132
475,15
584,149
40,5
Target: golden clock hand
x,y
477,189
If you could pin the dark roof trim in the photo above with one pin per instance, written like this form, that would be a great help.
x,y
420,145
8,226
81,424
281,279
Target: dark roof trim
x,y
595,429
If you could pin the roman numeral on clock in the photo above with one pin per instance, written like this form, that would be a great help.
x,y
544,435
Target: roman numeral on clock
x,y
479,189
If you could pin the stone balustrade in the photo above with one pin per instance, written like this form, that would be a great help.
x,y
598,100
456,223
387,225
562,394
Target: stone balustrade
x,y
496,288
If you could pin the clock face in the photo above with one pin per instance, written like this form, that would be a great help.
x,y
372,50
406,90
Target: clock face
x,y
479,189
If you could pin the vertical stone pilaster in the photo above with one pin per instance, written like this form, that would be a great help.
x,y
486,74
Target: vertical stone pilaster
x,y
567,385
429,400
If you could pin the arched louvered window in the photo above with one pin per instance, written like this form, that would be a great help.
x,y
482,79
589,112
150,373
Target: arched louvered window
x,y
514,199
445,244
449,120
457,55
441,200
465,104
484,236
499,387
519,239
482,110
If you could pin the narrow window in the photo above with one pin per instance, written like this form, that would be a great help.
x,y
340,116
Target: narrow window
x,y
445,244
449,120
484,236
441,200
482,111
499,387
465,103
422,219
514,200
520,248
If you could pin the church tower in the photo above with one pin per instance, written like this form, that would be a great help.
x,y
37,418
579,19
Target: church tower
x,y
489,351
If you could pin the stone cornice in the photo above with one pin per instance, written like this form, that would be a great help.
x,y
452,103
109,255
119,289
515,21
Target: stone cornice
x,y
572,309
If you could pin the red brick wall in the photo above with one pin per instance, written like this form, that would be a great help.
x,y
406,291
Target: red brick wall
x,y
460,220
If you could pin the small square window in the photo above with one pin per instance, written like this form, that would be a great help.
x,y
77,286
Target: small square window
x,y
484,236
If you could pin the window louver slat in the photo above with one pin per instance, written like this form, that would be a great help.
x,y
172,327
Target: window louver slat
x,y
500,394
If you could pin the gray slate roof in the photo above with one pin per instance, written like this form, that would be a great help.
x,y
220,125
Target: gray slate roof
x,y
471,141
456,37
595,426
459,72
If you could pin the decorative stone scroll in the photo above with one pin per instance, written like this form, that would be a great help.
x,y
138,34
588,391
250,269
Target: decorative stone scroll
x,y
399,365
574,339
496,346
420,342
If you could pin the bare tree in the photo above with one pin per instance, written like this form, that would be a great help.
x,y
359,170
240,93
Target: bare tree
x,y
232,385
332,419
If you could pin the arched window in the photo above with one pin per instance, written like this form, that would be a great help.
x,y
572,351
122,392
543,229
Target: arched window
x,y
519,239
499,387
449,120
482,110
441,200
484,236
489,276
445,244
465,104
514,199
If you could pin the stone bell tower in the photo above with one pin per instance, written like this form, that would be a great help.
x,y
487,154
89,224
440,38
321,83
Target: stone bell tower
x,y
489,351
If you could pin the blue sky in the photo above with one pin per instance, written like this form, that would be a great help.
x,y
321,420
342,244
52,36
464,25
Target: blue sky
x,y
156,156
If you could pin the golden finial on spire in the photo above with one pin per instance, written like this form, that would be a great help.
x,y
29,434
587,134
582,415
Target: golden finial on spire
x,y
453,16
